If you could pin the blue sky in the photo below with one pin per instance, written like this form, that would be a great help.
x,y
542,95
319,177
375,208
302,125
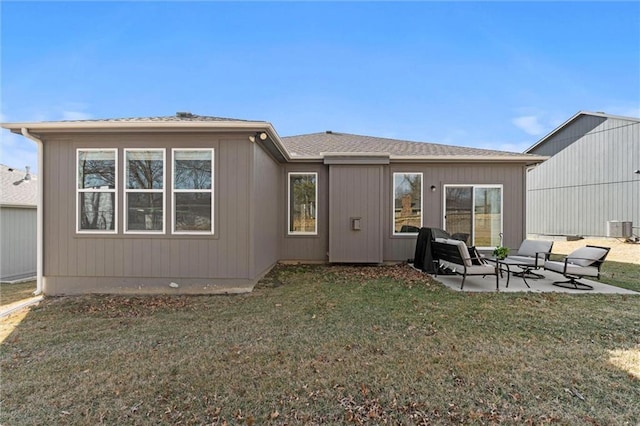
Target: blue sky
x,y
496,75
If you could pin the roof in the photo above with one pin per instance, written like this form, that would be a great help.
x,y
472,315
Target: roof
x,y
179,117
575,117
24,194
319,145
311,147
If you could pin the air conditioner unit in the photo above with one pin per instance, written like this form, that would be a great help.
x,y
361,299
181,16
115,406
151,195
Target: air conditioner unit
x,y
619,229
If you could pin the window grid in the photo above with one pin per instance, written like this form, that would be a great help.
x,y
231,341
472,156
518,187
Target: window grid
x,y
175,191
128,191
81,190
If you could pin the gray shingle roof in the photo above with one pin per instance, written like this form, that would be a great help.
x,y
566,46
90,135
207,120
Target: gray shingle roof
x,y
312,145
24,194
179,117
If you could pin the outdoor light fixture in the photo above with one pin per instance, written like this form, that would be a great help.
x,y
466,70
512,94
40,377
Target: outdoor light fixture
x,y
433,188
262,136
637,172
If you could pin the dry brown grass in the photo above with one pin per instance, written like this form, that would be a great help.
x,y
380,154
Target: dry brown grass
x,y
325,345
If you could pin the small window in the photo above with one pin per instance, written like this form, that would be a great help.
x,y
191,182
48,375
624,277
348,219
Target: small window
x,y
96,190
303,193
192,191
144,190
407,203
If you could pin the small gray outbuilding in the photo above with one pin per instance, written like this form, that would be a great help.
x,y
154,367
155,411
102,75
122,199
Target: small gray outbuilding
x,y
198,204
590,185
18,203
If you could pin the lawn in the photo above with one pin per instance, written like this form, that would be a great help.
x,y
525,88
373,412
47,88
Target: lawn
x,y
326,345
10,293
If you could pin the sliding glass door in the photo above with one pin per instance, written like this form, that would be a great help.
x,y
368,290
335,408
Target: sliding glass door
x,y
474,213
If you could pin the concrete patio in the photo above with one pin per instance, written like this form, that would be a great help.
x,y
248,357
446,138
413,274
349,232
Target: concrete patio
x,y
516,284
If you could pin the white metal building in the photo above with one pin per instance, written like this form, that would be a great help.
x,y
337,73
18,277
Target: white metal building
x,y
591,184
18,213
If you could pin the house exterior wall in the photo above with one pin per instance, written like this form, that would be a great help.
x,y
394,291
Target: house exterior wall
x,y
355,192
266,209
18,243
510,176
588,183
121,263
401,247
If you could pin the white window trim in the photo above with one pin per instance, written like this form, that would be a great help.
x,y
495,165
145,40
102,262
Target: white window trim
x,y
289,231
174,191
393,204
155,191
473,206
82,190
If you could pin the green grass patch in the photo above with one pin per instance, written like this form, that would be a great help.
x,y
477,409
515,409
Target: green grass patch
x,y
10,293
325,345
625,275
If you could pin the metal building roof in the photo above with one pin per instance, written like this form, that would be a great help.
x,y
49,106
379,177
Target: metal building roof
x,y
14,190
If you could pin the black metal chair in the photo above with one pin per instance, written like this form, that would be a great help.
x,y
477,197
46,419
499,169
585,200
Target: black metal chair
x,y
583,262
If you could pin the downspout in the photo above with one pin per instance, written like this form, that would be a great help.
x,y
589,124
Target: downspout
x,y
40,212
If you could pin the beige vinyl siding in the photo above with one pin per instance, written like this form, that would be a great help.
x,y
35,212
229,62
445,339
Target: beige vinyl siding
x,y
355,192
510,176
151,261
266,210
402,247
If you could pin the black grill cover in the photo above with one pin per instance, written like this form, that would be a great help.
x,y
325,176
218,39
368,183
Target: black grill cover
x,y
422,258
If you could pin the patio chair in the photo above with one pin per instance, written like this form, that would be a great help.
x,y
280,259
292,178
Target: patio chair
x,y
583,262
531,255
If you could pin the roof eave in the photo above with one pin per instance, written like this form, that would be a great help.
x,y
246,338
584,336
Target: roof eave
x,y
573,118
528,159
149,126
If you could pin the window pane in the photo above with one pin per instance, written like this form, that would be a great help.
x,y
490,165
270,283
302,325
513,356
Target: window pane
x,y
488,217
97,169
145,169
97,210
458,211
192,169
193,211
407,196
144,211
302,209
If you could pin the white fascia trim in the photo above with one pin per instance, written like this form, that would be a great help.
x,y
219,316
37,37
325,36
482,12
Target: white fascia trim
x,y
528,159
470,158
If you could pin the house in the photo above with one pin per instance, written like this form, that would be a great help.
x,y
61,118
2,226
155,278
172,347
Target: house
x,y
18,203
590,185
197,204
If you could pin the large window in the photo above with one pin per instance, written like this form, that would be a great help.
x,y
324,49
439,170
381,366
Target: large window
x,y
474,212
303,195
144,190
407,202
96,190
192,191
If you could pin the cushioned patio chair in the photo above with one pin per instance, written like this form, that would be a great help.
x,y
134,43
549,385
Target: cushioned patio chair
x,y
583,262
454,255
531,255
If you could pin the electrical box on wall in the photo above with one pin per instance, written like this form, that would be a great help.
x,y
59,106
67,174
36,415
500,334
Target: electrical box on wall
x,y
355,223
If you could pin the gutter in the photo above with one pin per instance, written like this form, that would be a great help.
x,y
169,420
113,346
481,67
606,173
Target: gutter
x,y
40,213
